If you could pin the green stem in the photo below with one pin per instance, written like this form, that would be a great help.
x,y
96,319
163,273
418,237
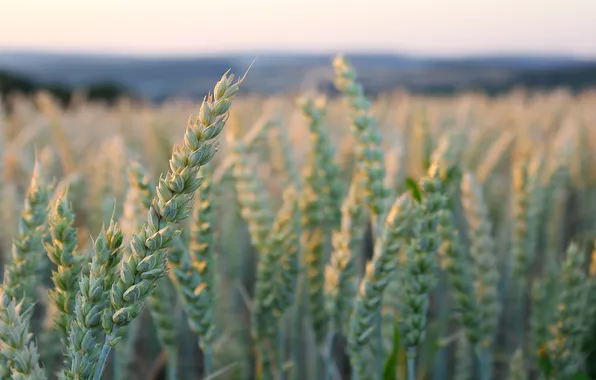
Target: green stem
x,y
411,355
207,358
105,352
123,359
329,355
172,366
321,366
297,332
281,342
484,357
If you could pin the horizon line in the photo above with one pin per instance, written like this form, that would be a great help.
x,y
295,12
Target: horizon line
x,y
297,51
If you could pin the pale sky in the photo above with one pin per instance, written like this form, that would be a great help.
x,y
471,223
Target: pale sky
x,y
179,27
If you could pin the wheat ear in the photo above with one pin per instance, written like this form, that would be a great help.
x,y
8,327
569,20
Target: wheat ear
x,y
16,346
369,156
83,347
61,251
27,249
486,275
566,333
367,306
147,262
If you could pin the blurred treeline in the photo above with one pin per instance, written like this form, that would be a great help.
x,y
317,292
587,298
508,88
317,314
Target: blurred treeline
x,y
13,83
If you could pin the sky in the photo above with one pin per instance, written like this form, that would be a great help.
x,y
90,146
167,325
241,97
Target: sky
x,y
199,27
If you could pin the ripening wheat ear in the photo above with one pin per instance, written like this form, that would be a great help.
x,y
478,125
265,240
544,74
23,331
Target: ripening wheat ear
x,y
202,261
566,333
20,274
138,200
486,274
147,262
313,242
160,303
369,155
83,344
320,210
340,273
321,161
282,159
420,266
526,210
277,274
188,276
61,251
542,304
251,195
367,306
16,347
457,264
27,250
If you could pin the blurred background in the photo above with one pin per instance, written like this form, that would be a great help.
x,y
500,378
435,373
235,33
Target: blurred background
x,y
499,87
158,50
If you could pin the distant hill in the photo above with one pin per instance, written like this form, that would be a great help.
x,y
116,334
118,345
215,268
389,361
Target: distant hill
x,y
160,78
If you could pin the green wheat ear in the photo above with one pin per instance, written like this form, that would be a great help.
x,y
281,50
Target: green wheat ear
x,y
61,251
395,235
16,346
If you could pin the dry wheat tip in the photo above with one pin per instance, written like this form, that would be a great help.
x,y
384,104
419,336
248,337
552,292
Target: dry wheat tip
x,y
269,267
61,251
27,249
16,345
83,346
394,236
147,261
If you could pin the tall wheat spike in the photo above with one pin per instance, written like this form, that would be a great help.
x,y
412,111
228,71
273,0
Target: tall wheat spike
x,y
148,260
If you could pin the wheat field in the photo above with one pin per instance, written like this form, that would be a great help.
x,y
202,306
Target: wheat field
x,y
300,237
